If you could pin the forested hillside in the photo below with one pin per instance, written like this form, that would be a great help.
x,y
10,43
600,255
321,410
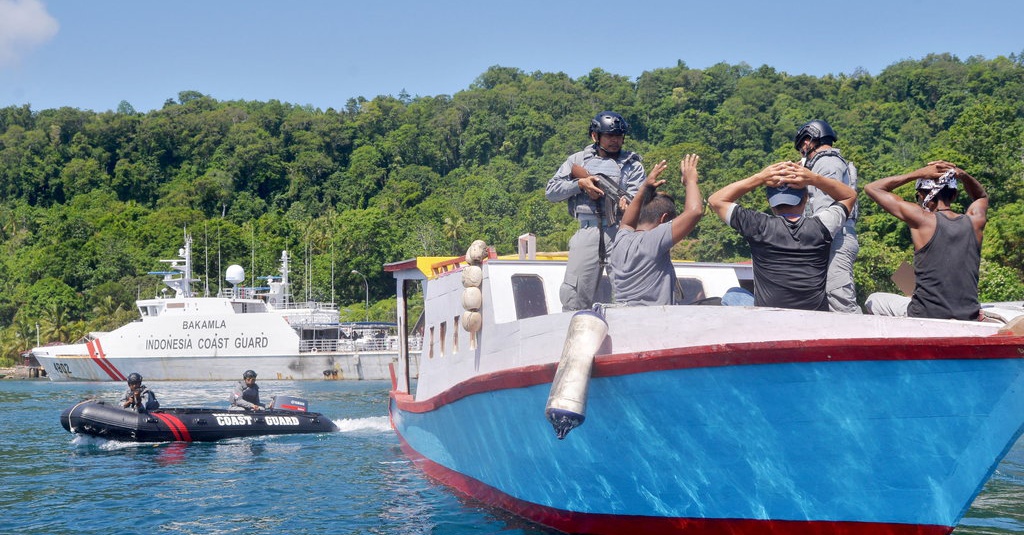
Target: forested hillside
x,y
89,201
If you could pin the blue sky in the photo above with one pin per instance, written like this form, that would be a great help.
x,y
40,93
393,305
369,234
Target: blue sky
x,y
94,54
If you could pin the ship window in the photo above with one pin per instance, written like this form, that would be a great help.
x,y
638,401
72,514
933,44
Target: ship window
x,y
430,347
528,294
444,334
692,290
455,335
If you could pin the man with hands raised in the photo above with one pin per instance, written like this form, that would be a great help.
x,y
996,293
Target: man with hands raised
x,y
947,245
641,262
790,250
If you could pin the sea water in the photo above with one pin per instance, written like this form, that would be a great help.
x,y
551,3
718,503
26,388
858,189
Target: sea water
x,y
353,481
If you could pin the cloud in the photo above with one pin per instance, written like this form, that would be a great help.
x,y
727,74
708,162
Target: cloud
x,y
24,24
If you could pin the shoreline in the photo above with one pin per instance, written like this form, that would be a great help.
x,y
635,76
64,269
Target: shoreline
x,y
21,372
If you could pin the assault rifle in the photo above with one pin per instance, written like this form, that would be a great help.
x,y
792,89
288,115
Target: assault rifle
x,y
611,190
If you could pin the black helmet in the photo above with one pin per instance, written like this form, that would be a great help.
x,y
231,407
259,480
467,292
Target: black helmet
x,y
134,379
817,130
609,122
249,374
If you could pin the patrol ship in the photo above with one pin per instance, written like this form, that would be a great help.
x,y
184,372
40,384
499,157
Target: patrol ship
x,y
187,337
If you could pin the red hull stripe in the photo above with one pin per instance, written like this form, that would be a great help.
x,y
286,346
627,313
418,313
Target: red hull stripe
x,y
100,361
605,524
176,426
739,354
103,355
97,356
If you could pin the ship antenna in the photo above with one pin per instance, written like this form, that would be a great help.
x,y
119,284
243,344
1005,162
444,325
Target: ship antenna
x,y
252,261
206,256
220,276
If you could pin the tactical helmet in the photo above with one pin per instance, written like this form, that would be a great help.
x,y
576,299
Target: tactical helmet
x,y
609,122
249,374
817,130
134,379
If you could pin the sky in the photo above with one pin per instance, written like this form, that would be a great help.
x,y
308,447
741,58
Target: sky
x,y
94,54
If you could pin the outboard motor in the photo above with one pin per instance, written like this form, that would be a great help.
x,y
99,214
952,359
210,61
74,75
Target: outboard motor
x,y
567,403
288,403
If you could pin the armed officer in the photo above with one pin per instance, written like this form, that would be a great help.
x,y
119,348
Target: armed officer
x,y
596,209
138,396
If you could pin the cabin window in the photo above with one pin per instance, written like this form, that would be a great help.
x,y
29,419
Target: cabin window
x,y
430,345
528,294
444,335
455,335
692,290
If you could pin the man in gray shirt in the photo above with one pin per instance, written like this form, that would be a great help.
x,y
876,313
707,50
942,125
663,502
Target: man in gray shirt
x,y
814,141
641,263
577,182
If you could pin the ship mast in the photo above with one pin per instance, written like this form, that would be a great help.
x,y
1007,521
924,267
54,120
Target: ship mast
x,y
179,277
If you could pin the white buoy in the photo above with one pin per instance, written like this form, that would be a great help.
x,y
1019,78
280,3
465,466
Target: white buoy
x,y
476,253
472,276
567,402
472,321
472,299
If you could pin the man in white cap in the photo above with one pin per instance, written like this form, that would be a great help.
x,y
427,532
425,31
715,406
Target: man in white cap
x,y
947,245
790,250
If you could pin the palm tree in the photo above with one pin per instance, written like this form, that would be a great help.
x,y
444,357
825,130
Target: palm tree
x,y
453,227
56,323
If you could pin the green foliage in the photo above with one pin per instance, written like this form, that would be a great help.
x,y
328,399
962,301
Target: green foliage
x,y
91,200
999,283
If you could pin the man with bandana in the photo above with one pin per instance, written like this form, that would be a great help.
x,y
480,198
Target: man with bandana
x,y
947,245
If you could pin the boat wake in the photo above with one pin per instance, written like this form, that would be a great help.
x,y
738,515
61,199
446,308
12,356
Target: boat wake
x,y
105,443
372,424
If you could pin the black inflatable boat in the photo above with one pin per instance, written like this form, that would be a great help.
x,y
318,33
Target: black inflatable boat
x,y
99,419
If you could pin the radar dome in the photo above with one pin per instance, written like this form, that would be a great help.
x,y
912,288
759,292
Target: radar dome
x,y
235,274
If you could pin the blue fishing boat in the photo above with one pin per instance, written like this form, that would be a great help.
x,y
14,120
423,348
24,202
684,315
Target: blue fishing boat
x,y
699,418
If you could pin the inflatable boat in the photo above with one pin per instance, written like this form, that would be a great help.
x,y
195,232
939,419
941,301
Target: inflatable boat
x,y
284,416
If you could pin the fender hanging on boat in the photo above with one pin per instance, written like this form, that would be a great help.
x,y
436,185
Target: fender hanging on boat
x,y
567,402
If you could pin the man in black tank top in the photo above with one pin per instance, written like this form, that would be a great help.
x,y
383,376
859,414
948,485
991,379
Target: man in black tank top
x,y
947,245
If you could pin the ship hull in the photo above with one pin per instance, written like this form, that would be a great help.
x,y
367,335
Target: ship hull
x,y
764,438
96,367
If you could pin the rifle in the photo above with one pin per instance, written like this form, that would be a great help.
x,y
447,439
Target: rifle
x,y
134,399
611,190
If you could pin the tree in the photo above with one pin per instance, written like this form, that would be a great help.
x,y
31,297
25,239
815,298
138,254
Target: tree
x,y
93,198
